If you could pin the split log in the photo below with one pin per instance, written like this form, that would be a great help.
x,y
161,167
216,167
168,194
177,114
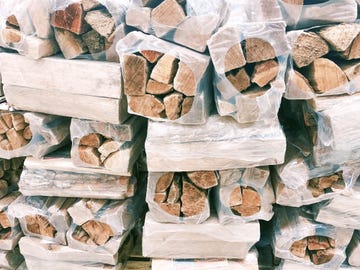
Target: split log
x,y
164,182
89,155
184,81
135,75
302,82
151,56
147,105
193,200
165,69
172,103
101,21
245,201
203,179
239,79
325,184
265,72
70,44
92,140
234,58
94,43
186,105
353,51
257,50
158,88
351,69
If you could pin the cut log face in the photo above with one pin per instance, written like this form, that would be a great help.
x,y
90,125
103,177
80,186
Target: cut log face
x,y
203,179
70,44
165,69
135,75
151,56
101,21
147,105
90,4
265,72
158,88
89,155
257,50
40,225
92,140
98,232
245,201
94,42
12,20
186,105
319,249
326,184
239,79
234,58
172,104
302,82
11,36
353,51
184,81
193,200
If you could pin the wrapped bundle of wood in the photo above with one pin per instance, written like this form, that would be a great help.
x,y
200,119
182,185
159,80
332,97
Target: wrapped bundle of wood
x,y
291,265
80,88
113,148
297,237
250,262
306,13
11,259
25,27
172,147
244,195
353,250
298,182
250,64
10,171
187,22
56,174
180,197
324,61
43,217
164,81
31,134
89,28
193,241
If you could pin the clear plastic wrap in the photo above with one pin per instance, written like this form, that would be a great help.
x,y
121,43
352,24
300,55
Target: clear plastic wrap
x,y
190,241
42,217
353,250
244,195
172,147
301,14
189,23
173,67
89,29
313,50
31,134
249,82
25,27
56,174
180,197
11,259
113,148
324,246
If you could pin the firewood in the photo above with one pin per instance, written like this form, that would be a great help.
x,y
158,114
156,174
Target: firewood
x,y
351,69
151,56
3,126
113,160
7,119
169,13
81,235
27,133
110,44
325,75
90,4
16,138
147,105
11,36
186,105
236,197
174,190
12,20
302,82
245,211
184,81
158,88
164,182
135,75
160,197
109,147
171,208
95,43
353,51
89,155
257,50
70,44
317,243
4,220
193,200
327,181
203,179
165,69
250,201
239,79
18,121
298,248
101,21
5,145
71,19
38,224
265,72
91,140
321,256
172,103
234,58
294,2
99,232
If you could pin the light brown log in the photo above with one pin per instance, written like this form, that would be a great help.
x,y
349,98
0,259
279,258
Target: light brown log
x,y
5,145
174,190
239,79
302,82
257,50
236,197
151,56
89,155
12,20
108,147
11,36
203,179
250,197
245,211
298,248
351,69
112,161
184,81
158,88
169,13
101,21
294,2
3,126
80,235
172,103
164,182
171,208
265,72
4,220
317,243
27,134
165,69
71,19
186,105
70,44
40,225
18,121
90,4
16,138
4,187
135,75
91,140
327,181
353,51
95,43
99,232
110,44
147,105
322,256
160,197
193,200
325,75
234,58
7,119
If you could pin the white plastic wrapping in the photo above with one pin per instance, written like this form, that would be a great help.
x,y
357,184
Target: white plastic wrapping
x,y
25,27
255,179
253,102
198,65
309,14
190,23
115,149
353,250
292,224
290,265
190,241
172,147
47,133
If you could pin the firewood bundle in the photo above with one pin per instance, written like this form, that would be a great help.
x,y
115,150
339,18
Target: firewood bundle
x,y
114,148
178,241
208,147
306,13
187,22
89,27
25,27
10,171
35,134
353,250
11,259
250,63
320,61
180,197
165,81
299,238
244,195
